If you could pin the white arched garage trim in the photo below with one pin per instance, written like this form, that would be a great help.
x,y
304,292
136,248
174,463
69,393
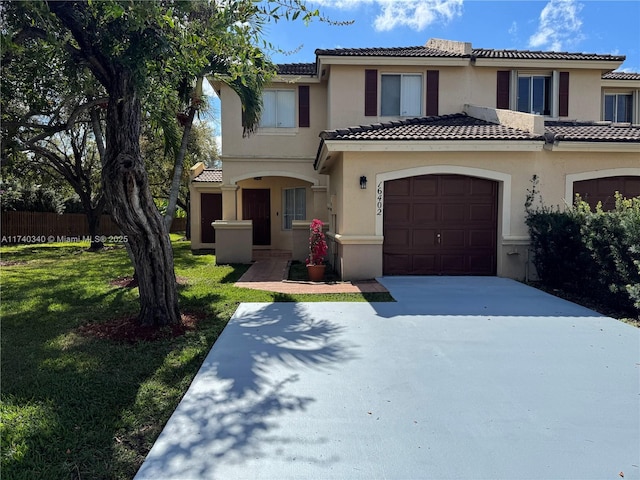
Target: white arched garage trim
x,y
504,196
273,173
610,172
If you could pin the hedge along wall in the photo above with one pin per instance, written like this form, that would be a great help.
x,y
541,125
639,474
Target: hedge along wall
x,y
592,252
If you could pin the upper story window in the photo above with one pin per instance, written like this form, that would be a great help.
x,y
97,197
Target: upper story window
x,y
540,93
401,95
278,109
618,107
534,94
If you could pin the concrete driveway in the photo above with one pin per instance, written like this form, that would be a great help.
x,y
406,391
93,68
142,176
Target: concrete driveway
x,y
471,378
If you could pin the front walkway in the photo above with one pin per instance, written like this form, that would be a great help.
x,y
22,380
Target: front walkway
x,y
467,378
270,274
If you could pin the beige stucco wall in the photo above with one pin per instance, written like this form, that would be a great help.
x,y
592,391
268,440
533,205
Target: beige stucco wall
x,y
585,97
346,92
278,142
458,86
356,209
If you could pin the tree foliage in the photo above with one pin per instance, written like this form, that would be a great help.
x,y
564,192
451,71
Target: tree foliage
x,y
130,48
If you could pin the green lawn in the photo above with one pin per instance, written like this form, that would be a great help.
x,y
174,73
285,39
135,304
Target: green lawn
x,y
78,407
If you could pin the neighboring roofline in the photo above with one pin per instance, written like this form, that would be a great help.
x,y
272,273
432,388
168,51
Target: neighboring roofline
x,y
342,140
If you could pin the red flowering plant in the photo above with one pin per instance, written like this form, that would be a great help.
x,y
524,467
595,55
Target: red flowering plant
x,y
317,243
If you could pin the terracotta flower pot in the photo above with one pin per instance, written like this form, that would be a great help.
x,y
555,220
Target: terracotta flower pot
x,y
316,272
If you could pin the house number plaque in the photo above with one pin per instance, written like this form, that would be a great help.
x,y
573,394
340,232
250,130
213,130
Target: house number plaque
x,y
379,200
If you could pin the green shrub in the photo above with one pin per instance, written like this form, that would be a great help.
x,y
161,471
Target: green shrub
x,y
592,252
559,254
612,239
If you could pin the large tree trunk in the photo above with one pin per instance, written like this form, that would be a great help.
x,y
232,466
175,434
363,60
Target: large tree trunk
x,y
126,187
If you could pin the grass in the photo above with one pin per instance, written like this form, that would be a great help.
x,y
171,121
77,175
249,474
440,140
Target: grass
x,y
79,407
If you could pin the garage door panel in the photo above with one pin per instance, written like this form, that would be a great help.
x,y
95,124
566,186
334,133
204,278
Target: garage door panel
x,y
453,213
482,213
424,263
603,190
482,238
401,187
425,212
397,264
481,264
480,186
423,237
453,185
425,187
397,237
453,264
461,210
399,212
453,238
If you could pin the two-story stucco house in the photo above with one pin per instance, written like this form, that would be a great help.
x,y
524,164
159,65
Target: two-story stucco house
x,y
419,159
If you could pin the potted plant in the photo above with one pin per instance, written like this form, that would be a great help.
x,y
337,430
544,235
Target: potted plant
x,y
317,251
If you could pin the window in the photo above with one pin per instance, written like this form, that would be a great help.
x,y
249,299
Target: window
x,y
294,204
278,109
534,94
618,107
401,95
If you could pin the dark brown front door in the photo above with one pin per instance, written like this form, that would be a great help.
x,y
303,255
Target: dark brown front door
x,y
440,225
604,189
256,206
210,211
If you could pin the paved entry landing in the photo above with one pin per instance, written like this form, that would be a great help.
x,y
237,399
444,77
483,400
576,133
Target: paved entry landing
x,y
475,378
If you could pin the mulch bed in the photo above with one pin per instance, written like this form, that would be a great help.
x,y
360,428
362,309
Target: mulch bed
x,y
11,263
128,330
130,282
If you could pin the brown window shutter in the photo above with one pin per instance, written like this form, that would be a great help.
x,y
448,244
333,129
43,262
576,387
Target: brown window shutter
x,y
304,119
433,81
563,99
371,93
503,88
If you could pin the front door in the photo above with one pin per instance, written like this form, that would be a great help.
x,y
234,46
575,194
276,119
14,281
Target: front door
x,y
210,211
256,206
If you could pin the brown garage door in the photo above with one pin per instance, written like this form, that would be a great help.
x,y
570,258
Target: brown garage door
x,y
604,189
440,225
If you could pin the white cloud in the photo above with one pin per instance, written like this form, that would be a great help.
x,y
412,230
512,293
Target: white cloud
x,y
415,14
559,26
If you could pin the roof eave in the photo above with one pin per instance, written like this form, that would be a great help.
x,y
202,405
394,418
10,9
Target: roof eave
x,y
593,146
393,60
474,145
511,63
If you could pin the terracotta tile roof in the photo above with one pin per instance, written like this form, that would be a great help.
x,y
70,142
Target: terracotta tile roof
x,y
417,51
621,76
296,68
209,175
422,51
540,55
446,127
591,132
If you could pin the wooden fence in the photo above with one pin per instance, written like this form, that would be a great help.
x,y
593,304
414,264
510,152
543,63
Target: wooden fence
x,y
39,227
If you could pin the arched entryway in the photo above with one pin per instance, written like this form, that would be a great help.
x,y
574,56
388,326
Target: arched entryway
x,y
440,224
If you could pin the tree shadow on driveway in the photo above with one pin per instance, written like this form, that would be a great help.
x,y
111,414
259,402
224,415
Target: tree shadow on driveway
x,y
243,391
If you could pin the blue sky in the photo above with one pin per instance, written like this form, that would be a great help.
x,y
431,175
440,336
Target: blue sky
x,y
605,26
561,25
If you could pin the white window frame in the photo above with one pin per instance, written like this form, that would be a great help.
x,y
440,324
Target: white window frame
x,y
299,212
632,107
278,123
554,108
403,98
